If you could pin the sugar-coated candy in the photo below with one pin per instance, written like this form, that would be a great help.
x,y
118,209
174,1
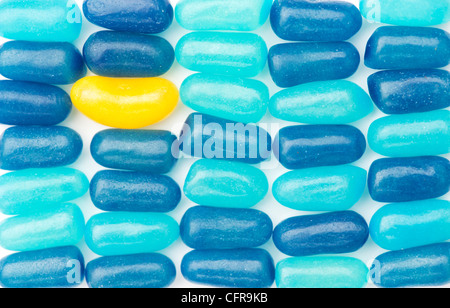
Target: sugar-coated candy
x,y
411,134
29,103
125,103
225,184
408,48
409,179
23,147
305,20
321,189
119,233
236,268
60,267
124,54
330,233
34,190
150,270
58,225
296,63
143,16
322,102
154,151
237,99
233,54
410,91
321,272
123,191
205,227
308,146
410,224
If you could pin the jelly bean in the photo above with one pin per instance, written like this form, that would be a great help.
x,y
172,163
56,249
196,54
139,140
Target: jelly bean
x,y
409,179
322,102
134,192
307,146
206,136
125,103
410,91
239,268
411,224
23,147
402,268
28,103
406,12
407,48
54,63
131,271
143,16
321,272
124,54
60,225
225,184
411,134
205,227
60,267
38,20
321,189
241,100
234,54
152,151
330,233
304,20
34,190
119,233
296,63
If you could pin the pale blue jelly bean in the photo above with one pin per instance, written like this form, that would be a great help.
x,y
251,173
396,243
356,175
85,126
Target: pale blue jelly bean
x,y
60,225
120,233
411,224
321,189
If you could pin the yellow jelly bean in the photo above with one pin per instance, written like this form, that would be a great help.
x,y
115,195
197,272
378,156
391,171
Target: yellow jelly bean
x,y
125,103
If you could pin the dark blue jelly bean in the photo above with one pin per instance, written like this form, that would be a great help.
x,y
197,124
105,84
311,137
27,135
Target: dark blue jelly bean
x,y
29,103
235,268
151,151
330,233
54,63
134,192
143,16
150,270
23,147
297,63
308,146
205,227
60,267
124,54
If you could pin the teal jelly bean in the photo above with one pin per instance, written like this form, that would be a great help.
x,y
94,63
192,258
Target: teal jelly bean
x,y
40,20
321,272
411,134
322,102
405,225
61,225
321,189
121,233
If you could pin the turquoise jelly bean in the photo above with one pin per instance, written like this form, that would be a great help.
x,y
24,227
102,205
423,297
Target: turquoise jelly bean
x,y
40,20
322,102
321,189
61,225
411,224
225,184
411,134
321,272
120,233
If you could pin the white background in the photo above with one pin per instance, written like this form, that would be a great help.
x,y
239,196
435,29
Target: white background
x,y
87,129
